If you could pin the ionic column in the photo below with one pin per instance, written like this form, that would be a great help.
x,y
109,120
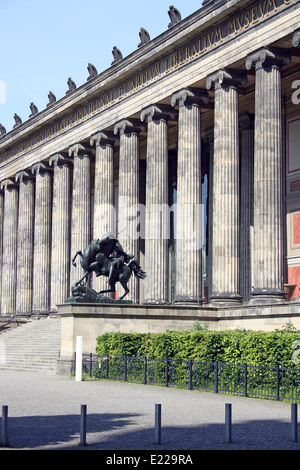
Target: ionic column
x,y
157,209
267,251
225,217
60,252
10,231
1,238
189,209
129,196
246,172
42,238
81,205
25,243
104,211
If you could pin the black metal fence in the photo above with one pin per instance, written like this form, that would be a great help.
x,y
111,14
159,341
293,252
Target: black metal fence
x,y
277,383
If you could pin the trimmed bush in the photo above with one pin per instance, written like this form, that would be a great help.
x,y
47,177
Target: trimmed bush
x,y
231,347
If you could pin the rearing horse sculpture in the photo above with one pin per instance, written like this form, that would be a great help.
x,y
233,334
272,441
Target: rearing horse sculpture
x,y
106,257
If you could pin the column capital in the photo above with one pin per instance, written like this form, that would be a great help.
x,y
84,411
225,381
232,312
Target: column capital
x,y
125,126
106,138
8,183
267,56
223,78
23,176
246,122
58,160
40,168
78,150
188,96
156,113
296,38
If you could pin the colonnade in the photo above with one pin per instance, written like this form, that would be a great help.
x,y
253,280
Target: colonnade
x,y
41,232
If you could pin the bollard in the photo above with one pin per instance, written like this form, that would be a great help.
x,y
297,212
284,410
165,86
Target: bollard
x,y
294,422
228,422
158,424
4,426
83,426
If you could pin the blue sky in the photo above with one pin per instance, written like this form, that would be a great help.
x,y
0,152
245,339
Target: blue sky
x,y
45,42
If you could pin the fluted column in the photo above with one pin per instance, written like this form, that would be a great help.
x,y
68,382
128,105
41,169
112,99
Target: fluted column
x,y
104,210
25,243
129,196
247,142
189,209
42,238
60,252
1,238
225,238
267,251
157,209
81,206
10,231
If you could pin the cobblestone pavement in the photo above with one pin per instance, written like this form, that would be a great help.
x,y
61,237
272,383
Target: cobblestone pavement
x,y
44,414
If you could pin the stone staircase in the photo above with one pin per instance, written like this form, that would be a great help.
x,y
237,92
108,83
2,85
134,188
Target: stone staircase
x,y
34,346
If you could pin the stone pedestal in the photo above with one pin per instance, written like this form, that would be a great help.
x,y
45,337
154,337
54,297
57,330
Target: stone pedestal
x,y
189,209
42,238
157,209
128,208
225,212
25,243
104,211
60,253
267,249
81,206
10,231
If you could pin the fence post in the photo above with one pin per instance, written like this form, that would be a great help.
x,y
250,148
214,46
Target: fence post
x,y
166,373
107,367
158,424
83,426
4,426
216,376
294,422
190,375
228,422
277,382
91,364
245,381
78,363
125,368
145,370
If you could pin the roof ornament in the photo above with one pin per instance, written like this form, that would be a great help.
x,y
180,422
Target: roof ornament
x,y
52,98
71,85
17,119
174,15
144,37
92,71
117,55
2,130
33,110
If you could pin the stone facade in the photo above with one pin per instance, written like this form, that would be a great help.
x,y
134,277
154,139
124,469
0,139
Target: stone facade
x,y
187,150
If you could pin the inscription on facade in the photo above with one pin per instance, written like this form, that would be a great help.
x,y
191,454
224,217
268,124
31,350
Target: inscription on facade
x,y
203,44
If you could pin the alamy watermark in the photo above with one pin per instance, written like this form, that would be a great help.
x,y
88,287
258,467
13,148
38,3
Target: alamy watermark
x,y
183,222
296,93
2,92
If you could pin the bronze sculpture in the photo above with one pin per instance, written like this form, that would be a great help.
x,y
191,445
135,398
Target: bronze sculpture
x,y
106,257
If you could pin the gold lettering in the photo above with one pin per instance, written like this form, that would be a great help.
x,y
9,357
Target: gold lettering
x,y
254,15
218,35
247,19
271,3
194,50
181,57
287,2
187,54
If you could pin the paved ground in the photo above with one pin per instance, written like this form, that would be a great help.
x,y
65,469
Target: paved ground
x,y
44,414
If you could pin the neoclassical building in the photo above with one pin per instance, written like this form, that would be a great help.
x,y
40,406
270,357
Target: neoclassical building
x,y
187,150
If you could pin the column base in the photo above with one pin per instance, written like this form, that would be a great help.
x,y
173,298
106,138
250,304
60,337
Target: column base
x,y
226,298
156,302
188,300
267,295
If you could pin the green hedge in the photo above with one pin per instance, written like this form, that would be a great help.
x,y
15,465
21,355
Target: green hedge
x,y
231,347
